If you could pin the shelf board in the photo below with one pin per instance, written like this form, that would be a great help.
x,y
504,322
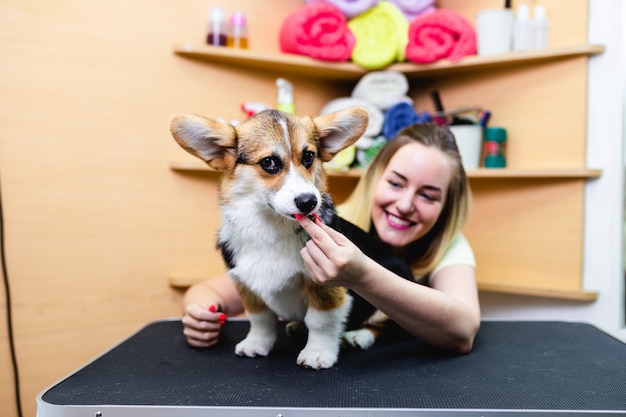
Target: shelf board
x,y
183,280
582,173
309,67
544,292
190,165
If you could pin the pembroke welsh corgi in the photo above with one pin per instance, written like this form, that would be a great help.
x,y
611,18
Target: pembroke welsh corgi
x,y
272,166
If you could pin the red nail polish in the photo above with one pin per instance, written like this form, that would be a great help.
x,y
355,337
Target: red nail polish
x,y
317,218
212,308
222,317
298,216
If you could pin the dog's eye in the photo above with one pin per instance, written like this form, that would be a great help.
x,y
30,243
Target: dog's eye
x,y
308,158
271,165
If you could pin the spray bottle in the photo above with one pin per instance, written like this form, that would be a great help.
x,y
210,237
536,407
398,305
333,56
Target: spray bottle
x,y
285,96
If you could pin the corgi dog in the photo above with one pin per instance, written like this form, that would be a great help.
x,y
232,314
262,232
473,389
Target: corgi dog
x,y
272,172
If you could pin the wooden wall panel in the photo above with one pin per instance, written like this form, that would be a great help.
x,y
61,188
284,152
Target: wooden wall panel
x,y
528,233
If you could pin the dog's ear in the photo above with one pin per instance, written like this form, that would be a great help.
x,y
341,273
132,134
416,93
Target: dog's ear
x,y
209,140
340,130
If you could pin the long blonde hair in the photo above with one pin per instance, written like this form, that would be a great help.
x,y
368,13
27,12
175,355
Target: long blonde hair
x,y
424,254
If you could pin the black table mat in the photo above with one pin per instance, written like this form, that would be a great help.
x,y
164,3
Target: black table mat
x,y
514,366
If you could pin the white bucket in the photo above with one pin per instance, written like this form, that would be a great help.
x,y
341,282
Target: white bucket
x,y
469,140
494,31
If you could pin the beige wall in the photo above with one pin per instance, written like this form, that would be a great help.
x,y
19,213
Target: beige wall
x,y
94,218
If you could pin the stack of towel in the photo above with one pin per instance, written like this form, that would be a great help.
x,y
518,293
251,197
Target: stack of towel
x,y
384,95
377,33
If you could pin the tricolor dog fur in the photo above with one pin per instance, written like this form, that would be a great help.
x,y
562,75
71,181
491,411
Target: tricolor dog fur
x,y
272,165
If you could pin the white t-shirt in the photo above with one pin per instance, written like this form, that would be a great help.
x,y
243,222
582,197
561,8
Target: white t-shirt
x,y
458,253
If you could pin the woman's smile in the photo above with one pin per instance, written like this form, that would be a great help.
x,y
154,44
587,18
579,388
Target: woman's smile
x,y
398,222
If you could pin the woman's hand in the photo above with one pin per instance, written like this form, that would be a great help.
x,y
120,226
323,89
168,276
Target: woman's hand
x,y
205,306
202,325
330,257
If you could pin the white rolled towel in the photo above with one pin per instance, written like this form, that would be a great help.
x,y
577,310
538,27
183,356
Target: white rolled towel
x,y
376,116
382,88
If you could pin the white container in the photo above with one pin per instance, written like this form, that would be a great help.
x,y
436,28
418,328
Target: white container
x,y
469,140
523,32
541,27
494,30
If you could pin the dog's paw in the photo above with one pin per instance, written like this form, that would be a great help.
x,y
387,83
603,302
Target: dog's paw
x,y
317,358
361,338
253,346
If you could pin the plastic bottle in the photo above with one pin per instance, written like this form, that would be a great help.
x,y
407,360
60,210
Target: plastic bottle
x,y
285,96
495,146
523,29
237,31
541,27
216,31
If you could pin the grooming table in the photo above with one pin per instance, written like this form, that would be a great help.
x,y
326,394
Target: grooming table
x,y
516,368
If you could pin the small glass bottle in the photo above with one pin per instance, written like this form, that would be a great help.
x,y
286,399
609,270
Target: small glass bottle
x,y
238,31
495,149
216,31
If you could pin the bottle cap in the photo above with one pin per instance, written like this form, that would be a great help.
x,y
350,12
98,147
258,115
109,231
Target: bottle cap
x,y
238,19
523,12
494,133
540,11
216,14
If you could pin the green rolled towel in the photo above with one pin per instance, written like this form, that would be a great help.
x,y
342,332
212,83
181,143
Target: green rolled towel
x,y
381,36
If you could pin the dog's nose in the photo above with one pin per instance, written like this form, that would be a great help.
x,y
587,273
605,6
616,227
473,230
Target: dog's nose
x,y
306,202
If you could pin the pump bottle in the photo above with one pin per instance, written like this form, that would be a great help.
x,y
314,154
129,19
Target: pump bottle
x,y
216,33
237,31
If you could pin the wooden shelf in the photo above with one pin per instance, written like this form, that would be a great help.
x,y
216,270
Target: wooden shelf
x,y
582,173
574,173
309,67
183,280
562,294
191,165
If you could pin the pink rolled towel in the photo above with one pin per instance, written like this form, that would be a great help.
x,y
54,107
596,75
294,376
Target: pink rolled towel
x,y
318,30
350,8
440,34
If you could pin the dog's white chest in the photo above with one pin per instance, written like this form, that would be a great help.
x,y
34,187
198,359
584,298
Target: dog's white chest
x,y
266,255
